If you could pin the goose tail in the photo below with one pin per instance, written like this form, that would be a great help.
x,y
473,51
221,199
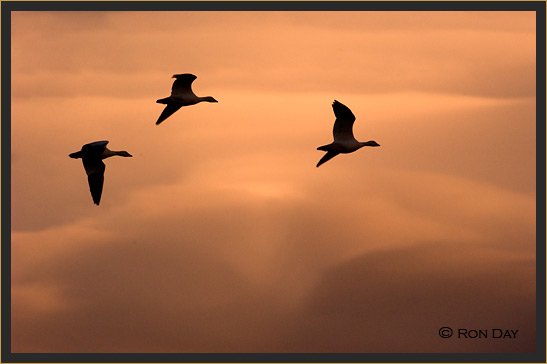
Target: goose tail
x,y
163,101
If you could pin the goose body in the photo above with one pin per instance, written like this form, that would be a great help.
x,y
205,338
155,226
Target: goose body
x,y
181,95
344,141
92,155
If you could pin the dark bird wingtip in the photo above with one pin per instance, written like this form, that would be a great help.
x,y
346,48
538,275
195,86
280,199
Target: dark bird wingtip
x,y
184,75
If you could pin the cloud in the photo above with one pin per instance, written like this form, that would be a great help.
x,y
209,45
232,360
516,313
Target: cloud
x,y
193,266
397,300
258,145
447,53
174,296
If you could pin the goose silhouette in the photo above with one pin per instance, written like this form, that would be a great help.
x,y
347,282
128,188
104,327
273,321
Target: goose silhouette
x,y
344,141
181,95
92,155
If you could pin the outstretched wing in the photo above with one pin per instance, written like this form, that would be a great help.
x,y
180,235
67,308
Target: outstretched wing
x,y
183,85
328,156
343,125
168,111
95,176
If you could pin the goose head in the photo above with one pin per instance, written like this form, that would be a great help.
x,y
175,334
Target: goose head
x,y
370,143
208,99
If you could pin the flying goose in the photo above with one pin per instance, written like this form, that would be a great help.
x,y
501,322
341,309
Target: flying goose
x,y
92,155
344,141
181,95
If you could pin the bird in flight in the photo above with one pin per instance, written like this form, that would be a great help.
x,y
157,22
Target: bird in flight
x,y
92,155
181,95
344,141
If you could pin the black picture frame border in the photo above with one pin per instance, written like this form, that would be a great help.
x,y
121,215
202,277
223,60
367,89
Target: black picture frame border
x,y
7,7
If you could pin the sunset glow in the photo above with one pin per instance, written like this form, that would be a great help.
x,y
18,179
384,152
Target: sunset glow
x,y
221,235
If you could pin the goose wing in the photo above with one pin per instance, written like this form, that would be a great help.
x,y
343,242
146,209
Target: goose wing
x,y
328,156
94,167
168,111
94,149
343,125
183,85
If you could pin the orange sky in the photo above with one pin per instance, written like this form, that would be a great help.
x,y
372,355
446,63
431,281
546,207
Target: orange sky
x,y
221,235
